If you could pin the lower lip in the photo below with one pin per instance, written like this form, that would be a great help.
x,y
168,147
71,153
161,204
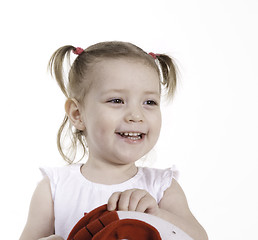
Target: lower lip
x,y
130,140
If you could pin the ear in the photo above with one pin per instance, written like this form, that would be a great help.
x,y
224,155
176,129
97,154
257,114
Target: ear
x,y
74,114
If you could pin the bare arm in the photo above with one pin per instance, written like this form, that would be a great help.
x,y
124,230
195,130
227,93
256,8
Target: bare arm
x,y
40,222
173,207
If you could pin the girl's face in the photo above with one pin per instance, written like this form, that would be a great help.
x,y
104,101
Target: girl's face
x,y
121,111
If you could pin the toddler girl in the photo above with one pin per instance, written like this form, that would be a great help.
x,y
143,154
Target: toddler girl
x,y
113,112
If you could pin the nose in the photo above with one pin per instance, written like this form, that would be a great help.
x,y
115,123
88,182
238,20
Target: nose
x,y
134,114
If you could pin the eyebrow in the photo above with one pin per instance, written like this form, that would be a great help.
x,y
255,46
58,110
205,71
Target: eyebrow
x,y
152,92
124,90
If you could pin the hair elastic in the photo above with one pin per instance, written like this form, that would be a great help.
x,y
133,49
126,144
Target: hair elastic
x,y
154,55
78,51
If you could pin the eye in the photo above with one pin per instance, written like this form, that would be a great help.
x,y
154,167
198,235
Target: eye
x,y
151,102
116,101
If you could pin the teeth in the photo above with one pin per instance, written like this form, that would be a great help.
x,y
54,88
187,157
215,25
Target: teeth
x,y
131,134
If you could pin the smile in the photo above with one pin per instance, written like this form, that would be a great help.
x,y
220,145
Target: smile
x,y
131,135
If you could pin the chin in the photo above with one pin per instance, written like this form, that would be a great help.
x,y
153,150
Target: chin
x,y
130,159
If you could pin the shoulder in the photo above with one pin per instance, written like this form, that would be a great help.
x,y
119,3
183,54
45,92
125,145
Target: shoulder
x,y
56,173
60,175
157,180
159,174
160,179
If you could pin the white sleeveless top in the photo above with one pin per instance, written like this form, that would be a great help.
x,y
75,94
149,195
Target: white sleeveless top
x,y
73,195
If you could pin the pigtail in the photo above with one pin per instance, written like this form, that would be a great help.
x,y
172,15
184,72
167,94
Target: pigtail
x,y
169,74
56,68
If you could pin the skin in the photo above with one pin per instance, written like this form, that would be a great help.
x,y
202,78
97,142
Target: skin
x,y
124,97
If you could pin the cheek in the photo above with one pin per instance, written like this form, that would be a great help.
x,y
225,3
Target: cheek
x,y
157,121
156,124
103,124
97,134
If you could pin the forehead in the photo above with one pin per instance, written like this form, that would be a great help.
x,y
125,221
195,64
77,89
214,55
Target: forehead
x,y
124,73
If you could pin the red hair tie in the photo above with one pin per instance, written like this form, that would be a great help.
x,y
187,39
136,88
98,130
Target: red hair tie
x,y
154,55
78,51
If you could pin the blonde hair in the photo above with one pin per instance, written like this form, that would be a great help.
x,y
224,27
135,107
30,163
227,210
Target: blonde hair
x,y
78,84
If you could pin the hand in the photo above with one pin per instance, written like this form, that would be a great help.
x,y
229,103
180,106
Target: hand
x,y
133,200
52,237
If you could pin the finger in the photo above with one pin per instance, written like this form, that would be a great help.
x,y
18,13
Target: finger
x,y
147,204
113,200
135,198
55,237
124,200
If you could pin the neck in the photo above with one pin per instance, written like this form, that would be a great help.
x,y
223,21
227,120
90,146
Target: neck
x,y
108,173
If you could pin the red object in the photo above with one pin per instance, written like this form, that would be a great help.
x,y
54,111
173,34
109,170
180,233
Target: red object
x,y
101,224
78,51
154,55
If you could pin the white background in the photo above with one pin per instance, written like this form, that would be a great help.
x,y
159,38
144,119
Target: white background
x,y
210,131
